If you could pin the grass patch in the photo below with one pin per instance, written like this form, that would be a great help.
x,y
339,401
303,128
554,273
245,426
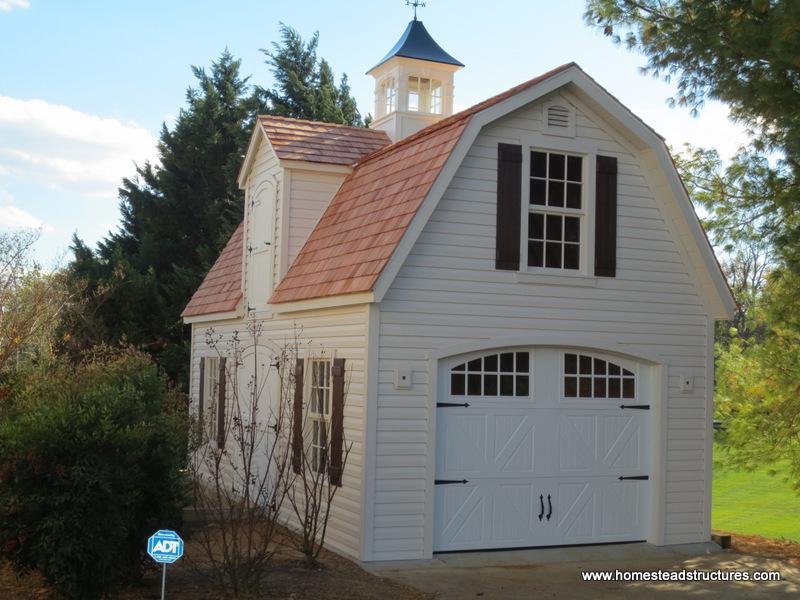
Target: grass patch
x,y
755,503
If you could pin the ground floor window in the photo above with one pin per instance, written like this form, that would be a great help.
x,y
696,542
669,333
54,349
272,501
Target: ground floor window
x,y
319,413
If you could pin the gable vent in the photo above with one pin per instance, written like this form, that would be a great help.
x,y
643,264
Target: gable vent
x,y
558,116
559,119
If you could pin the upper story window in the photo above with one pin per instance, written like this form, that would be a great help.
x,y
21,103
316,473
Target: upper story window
x,y
588,376
389,95
555,210
503,374
424,95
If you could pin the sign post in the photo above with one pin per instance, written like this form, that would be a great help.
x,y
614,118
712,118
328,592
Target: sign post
x,y
165,547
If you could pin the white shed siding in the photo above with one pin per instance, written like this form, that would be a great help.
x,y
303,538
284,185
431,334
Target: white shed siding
x,y
448,291
342,331
309,195
266,170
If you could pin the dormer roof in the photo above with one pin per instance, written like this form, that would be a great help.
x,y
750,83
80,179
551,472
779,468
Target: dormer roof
x,y
417,43
315,141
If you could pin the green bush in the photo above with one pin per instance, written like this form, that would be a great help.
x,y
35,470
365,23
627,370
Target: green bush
x,y
91,463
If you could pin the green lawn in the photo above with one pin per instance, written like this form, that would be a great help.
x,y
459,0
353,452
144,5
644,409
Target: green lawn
x,y
755,503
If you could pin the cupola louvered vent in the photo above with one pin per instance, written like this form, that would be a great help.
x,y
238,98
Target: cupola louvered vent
x,y
559,119
558,116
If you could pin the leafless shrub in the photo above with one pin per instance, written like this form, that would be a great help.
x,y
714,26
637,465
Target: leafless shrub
x,y
251,477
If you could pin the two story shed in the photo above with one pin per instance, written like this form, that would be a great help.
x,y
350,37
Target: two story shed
x,y
521,295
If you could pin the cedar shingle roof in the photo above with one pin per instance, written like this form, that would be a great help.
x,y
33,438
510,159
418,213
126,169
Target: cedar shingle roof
x,y
221,289
314,141
359,231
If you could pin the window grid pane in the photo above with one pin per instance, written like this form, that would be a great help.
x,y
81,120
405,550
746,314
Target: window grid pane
x,y
554,237
499,374
591,377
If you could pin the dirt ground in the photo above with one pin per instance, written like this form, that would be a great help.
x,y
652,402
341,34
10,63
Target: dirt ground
x,y
289,578
755,545
336,579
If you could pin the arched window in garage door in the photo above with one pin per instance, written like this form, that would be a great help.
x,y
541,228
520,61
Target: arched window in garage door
x,y
587,376
495,374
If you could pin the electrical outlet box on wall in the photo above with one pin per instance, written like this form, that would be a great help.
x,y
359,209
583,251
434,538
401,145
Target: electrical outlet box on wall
x,y
402,379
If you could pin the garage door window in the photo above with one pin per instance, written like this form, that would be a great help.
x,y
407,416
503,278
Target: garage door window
x,y
588,376
502,374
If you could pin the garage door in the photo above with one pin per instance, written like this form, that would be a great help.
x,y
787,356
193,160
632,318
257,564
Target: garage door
x,y
539,448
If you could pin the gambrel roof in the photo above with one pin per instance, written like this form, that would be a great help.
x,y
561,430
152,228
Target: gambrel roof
x,y
367,230
365,221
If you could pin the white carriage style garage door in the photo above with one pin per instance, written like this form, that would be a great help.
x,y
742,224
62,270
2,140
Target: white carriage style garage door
x,y
540,447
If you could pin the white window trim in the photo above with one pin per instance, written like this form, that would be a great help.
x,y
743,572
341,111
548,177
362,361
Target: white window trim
x,y
211,392
624,363
314,417
589,152
427,93
466,358
388,85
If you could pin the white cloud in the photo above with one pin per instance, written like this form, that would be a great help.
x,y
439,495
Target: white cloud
x,y
66,149
9,5
15,218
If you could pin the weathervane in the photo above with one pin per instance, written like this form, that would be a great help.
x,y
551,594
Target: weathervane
x,y
415,4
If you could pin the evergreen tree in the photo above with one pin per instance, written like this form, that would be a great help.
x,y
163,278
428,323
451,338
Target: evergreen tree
x,y
178,214
176,217
743,52
305,86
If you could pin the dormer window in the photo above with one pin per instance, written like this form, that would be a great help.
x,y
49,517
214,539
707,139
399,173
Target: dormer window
x,y
389,95
424,95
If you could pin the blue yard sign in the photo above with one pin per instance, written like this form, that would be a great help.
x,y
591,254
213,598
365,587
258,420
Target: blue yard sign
x,y
165,547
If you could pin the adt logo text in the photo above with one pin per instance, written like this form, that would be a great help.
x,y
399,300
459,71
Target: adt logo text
x,y
165,546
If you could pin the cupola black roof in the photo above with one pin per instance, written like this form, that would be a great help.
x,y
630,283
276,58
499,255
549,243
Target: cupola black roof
x,y
417,43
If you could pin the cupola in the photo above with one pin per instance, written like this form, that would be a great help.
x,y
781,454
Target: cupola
x,y
413,83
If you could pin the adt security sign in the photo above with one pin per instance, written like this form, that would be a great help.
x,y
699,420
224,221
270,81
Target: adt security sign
x,y
165,546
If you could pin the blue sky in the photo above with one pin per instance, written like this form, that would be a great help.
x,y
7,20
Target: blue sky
x,y
86,85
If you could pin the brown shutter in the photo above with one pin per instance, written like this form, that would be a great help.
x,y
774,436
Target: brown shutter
x,y
221,405
605,238
201,399
509,192
297,418
337,421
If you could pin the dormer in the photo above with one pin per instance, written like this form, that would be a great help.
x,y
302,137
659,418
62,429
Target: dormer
x,y
292,170
413,84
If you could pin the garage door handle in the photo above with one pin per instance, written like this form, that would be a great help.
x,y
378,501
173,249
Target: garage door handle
x,y
635,406
635,477
448,481
541,506
549,507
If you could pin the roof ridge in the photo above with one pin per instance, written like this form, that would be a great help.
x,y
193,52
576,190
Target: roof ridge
x,y
313,122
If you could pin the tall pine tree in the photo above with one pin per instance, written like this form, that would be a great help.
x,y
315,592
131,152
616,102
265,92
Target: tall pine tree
x,y
178,214
176,217
305,86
